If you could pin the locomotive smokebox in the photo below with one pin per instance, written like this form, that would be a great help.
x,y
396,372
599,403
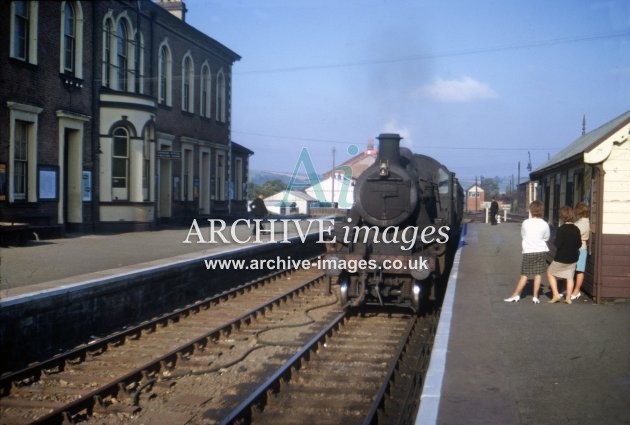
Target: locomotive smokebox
x,y
389,148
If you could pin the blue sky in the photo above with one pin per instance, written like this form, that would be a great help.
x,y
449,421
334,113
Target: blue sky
x,y
475,84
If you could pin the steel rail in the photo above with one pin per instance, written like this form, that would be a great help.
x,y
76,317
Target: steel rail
x,y
33,372
88,402
243,412
379,399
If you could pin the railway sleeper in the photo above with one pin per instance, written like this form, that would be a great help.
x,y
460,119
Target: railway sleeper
x,y
326,414
315,396
314,375
111,406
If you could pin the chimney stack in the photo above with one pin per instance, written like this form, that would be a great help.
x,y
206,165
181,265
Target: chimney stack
x,y
176,7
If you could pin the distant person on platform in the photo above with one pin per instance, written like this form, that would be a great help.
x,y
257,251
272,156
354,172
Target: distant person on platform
x,y
535,233
582,223
260,212
494,210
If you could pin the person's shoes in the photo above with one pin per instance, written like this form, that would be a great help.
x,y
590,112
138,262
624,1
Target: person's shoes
x,y
555,300
535,300
568,301
575,297
513,299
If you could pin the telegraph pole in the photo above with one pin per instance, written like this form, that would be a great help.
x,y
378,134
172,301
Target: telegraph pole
x,y
334,176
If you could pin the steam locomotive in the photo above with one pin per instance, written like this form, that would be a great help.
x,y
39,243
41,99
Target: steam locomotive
x,y
392,248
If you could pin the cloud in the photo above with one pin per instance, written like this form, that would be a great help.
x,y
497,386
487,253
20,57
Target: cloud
x,y
461,90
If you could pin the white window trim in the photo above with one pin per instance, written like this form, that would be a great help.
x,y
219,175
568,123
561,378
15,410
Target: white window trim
x,y
187,148
32,32
28,113
78,48
220,175
221,96
168,73
208,86
131,54
188,106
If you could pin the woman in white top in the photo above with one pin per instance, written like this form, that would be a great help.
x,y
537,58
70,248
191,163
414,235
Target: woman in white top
x,y
582,222
535,234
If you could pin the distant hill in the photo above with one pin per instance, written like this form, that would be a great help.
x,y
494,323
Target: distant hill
x,y
260,177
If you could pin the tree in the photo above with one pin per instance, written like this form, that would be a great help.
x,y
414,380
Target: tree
x,y
268,188
490,187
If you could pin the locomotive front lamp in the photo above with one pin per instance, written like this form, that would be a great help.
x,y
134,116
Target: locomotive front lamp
x,y
383,169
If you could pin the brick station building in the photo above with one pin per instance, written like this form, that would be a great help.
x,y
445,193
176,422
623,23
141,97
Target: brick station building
x,y
114,116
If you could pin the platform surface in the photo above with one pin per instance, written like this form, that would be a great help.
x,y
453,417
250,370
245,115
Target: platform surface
x,y
522,363
45,264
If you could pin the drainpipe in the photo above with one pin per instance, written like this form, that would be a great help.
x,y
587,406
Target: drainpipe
x,y
95,119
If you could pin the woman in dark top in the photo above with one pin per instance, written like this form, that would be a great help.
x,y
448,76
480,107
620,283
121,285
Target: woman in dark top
x,y
568,243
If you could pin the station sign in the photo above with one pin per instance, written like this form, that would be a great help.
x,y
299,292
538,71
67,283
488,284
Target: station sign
x,y
169,154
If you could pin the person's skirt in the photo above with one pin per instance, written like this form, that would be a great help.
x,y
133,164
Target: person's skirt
x,y
534,263
562,270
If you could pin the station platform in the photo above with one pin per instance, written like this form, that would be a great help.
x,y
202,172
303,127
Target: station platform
x,y
49,263
495,362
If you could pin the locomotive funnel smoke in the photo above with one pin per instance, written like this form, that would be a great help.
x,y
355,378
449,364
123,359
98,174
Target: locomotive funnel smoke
x,y
389,148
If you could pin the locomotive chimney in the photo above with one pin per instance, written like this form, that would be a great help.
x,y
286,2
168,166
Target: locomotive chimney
x,y
389,148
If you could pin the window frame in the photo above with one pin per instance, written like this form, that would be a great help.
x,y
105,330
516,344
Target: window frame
x,y
221,100
205,93
188,84
28,114
29,34
164,81
76,52
120,192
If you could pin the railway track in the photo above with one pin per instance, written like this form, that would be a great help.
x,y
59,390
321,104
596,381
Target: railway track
x,y
280,346
110,378
346,374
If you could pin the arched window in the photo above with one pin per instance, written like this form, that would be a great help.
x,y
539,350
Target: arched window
x,y
220,97
122,55
107,52
120,163
69,38
24,30
204,100
139,67
187,84
164,76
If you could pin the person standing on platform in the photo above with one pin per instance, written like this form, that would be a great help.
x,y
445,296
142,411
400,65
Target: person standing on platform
x,y
260,212
582,223
535,234
568,243
494,210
